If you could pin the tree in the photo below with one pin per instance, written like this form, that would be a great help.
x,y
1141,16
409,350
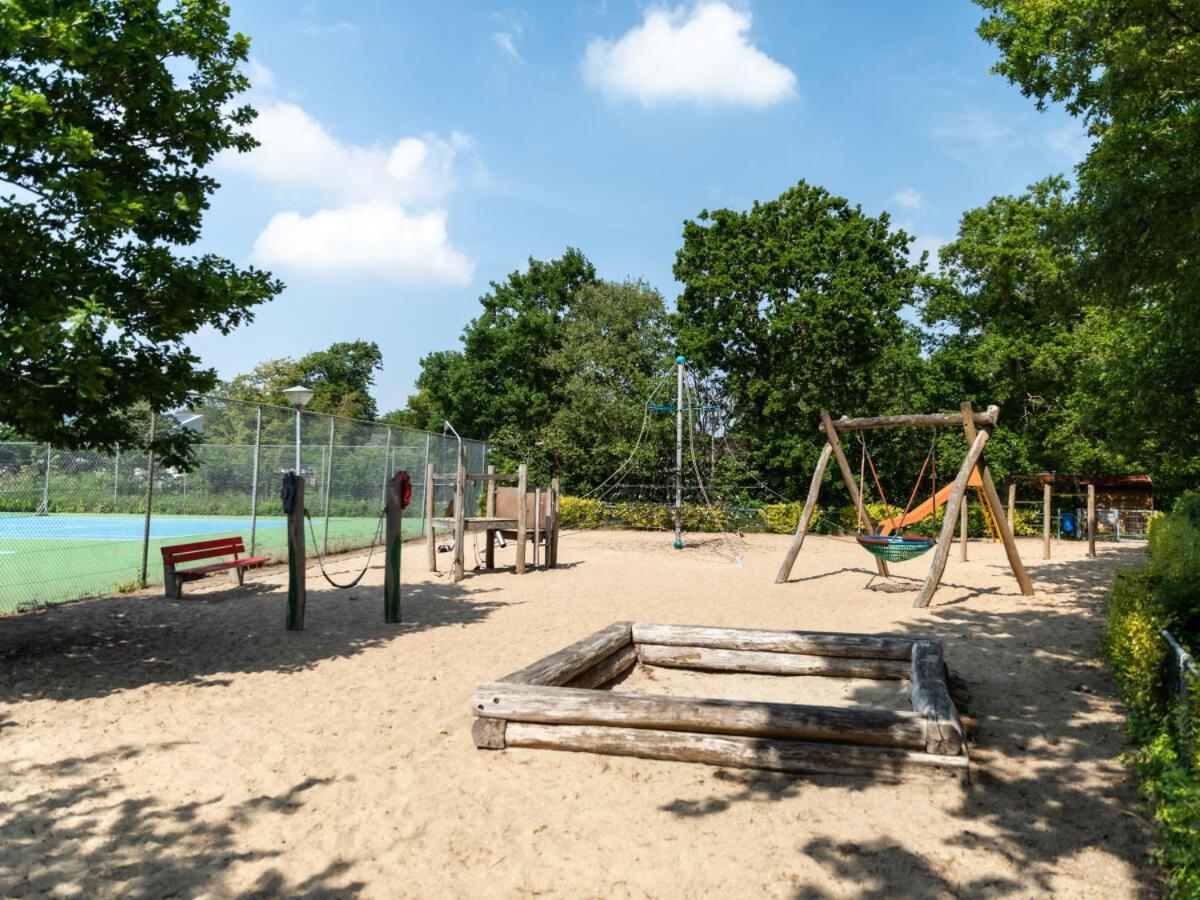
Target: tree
x,y
1131,70
796,303
341,378
109,112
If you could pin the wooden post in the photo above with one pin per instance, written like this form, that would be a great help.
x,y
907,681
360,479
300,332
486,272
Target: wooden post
x,y
430,502
1012,505
1046,520
1091,521
537,523
942,551
522,524
992,497
491,493
552,534
460,515
963,526
297,588
393,541
848,476
810,505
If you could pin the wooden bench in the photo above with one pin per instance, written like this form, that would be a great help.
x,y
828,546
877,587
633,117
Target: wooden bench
x,y
174,578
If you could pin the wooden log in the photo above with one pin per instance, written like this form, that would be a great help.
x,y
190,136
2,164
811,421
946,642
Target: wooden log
x,y
522,524
1091,520
430,506
813,643
1046,520
931,699
492,476
559,668
737,752
569,706
608,669
297,564
930,420
460,516
848,477
810,505
1012,505
537,525
709,659
393,541
942,552
488,733
992,497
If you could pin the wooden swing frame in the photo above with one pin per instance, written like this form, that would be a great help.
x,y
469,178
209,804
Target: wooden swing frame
x,y
978,429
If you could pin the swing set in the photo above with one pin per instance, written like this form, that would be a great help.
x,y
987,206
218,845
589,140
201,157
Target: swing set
x,y
885,541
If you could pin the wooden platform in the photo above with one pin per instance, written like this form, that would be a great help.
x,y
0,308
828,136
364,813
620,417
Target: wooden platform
x,y
554,703
478,523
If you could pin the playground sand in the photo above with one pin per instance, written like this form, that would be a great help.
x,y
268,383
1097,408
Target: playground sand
x,y
196,749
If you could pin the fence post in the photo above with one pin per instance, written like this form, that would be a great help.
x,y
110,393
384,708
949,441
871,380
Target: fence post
x,y
45,510
425,504
328,478
1046,520
254,478
149,498
1091,523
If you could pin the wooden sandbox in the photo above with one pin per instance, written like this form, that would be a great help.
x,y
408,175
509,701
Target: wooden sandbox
x,y
556,703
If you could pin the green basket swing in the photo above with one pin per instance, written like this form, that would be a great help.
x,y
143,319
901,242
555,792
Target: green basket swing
x,y
896,547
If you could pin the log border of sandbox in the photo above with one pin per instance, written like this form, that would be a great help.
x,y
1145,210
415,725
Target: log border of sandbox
x,y
555,703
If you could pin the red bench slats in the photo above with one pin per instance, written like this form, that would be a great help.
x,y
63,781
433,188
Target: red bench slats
x,y
222,566
178,553
231,546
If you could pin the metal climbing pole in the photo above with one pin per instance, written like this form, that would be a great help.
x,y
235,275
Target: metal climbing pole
x,y
680,361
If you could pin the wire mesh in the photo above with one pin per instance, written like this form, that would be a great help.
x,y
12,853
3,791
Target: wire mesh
x,y
80,523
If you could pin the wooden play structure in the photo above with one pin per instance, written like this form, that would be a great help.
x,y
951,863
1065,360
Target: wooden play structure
x,y
556,703
536,518
978,429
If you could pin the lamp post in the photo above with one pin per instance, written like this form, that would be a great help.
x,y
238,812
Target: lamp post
x,y
298,397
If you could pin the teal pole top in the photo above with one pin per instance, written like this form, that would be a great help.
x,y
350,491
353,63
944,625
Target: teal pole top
x,y
681,359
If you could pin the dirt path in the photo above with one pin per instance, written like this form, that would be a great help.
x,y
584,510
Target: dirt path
x,y
194,748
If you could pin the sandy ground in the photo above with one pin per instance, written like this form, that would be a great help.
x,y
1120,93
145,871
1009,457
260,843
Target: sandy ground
x,y
155,748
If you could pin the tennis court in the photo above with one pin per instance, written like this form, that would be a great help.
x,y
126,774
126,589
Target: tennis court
x,y
58,557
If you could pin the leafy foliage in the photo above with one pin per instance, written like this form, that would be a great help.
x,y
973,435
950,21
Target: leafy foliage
x,y
109,112
341,378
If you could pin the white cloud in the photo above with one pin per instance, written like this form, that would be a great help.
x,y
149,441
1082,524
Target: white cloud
x,y
1071,141
261,78
969,132
376,238
909,198
926,243
701,55
507,42
376,205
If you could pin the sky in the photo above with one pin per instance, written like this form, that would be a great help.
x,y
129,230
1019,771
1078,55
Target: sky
x,y
413,153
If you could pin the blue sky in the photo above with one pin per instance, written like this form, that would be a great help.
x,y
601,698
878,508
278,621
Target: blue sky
x,y
414,152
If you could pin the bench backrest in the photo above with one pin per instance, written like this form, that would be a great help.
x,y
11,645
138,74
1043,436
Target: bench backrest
x,y
506,504
203,550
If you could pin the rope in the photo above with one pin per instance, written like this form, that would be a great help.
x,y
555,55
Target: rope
x,y
694,401
637,445
321,564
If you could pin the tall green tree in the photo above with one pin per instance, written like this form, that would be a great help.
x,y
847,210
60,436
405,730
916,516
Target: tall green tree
x,y
110,110
796,304
341,378
1130,69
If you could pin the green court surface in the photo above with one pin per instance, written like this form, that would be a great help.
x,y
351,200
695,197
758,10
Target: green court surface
x,y
52,559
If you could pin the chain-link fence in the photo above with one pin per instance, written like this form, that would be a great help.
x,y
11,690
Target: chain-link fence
x,y
1182,683
78,523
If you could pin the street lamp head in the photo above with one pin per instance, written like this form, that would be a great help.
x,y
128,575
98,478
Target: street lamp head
x,y
298,396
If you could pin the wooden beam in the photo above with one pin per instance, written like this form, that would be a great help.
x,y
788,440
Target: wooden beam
x,y
964,525
931,420
992,497
393,541
737,752
608,669
297,581
813,643
1012,505
559,668
810,505
492,477
522,513
708,659
931,699
430,506
1091,520
488,733
569,706
848,477
552,540
942,550
490,508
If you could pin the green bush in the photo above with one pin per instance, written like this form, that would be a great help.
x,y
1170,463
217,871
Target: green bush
x,y
1173,791
1136,650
